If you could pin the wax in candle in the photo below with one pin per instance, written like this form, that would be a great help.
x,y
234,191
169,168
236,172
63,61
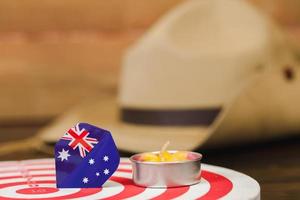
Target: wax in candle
x,y
165,156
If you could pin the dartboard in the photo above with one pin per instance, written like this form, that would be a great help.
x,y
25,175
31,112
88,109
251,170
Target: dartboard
x,y
35,179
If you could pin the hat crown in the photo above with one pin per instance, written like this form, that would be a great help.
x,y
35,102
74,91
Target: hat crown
x,y
198,55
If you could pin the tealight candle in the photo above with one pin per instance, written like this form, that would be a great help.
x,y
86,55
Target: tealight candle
x,y
164,155
166,168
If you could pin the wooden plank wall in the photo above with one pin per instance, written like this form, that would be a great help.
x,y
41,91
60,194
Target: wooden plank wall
x,y
55,53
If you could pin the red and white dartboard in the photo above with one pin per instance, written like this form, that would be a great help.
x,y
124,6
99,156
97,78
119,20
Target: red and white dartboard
x,y
35,179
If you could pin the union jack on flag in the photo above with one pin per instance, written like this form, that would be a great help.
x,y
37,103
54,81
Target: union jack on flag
x,y
85,157
79,139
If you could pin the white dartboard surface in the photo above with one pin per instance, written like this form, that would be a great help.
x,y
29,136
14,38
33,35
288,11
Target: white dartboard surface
x,y
35,179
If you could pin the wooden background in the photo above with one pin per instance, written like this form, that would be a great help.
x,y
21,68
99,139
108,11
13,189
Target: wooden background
x,y
56,53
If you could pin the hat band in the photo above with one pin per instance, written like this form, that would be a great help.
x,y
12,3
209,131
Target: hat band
x,y
170,117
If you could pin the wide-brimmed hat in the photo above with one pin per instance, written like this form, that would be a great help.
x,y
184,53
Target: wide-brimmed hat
x,y
208,73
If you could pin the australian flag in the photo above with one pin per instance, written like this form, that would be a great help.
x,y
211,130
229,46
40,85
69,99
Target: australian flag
x,y
85,157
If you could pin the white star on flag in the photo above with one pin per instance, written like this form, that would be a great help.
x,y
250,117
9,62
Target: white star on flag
x,y
106,171
105,158
91,161
97,174
85,180
63,155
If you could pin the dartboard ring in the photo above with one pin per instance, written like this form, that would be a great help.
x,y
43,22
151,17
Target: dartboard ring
x,y
35,179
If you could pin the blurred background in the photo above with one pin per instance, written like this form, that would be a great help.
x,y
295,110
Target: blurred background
x,y
54,53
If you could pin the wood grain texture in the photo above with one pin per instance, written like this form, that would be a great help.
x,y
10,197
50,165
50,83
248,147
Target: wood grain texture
x,y
55,54
44,74
35,15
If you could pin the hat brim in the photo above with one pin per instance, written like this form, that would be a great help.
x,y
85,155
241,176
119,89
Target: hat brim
x,y
128,137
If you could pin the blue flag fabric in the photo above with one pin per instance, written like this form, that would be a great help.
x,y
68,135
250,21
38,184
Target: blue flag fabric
x,y
85,157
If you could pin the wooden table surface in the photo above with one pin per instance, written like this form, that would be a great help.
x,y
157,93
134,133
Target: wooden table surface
x,y
275,165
